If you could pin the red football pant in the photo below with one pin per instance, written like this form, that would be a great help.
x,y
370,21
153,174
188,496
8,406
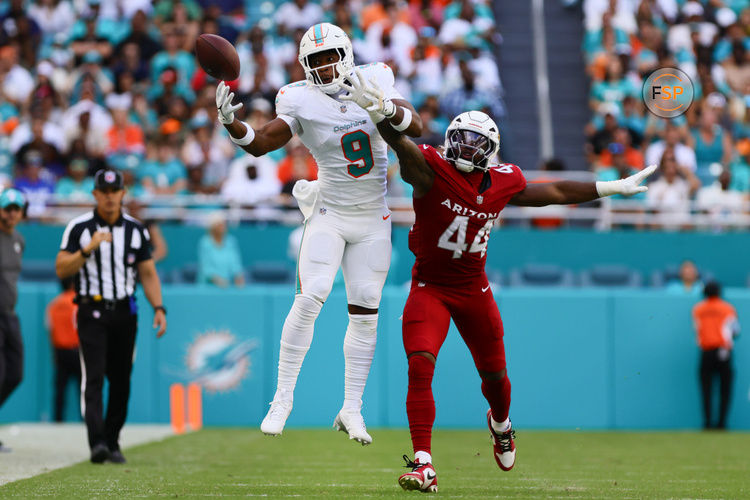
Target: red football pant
x,y
427,316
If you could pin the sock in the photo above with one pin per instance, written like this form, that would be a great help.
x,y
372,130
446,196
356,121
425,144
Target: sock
x,y
497,393
420,405
359,348
500,427
296,337
423,457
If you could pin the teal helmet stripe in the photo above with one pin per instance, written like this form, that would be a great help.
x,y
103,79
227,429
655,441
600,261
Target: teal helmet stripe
x,y
318,33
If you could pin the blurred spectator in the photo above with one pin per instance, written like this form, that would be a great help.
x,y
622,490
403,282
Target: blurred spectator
x,y
219,261
720,202
251,181
716,326
35,183
20,31
124,137
17,82
207,150
622,146
76,187
712,144
167,10
689,283
159,248
259,74
299,164
52,16
165,174
468,96
173,56
88,121
131,63
670,194
599,139
740,168
90,41
61,323
50,154
167,89
466,22
297,14
140,36
390,38
430,133
684,155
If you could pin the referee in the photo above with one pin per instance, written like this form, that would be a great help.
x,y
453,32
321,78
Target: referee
x,y
107,251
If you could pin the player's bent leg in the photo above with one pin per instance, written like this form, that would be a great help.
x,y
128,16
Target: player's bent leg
x,y
365,265
422,476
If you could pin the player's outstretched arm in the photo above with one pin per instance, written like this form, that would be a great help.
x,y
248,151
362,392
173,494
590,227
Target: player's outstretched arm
x,y
270,137
567,192
413,166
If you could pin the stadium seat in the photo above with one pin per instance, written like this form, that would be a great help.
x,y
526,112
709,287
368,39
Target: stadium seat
x,y
611,276
542,275
186,274
662,277
38,270
270,272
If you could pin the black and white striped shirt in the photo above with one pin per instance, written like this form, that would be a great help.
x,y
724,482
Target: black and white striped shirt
x,y
110,272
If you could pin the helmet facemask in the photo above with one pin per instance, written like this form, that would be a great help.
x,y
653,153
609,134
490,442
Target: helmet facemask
x,y
468,149
340,70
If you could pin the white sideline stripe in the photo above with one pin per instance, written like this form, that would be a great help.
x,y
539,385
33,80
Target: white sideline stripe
x,y
546,144
39,448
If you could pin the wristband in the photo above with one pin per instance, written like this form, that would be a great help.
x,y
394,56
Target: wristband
x,y
376,117
86,255
161,308
607,188
249,136
405,122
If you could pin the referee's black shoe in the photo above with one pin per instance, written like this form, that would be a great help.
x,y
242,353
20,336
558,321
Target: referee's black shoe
x,y
99,453
116,457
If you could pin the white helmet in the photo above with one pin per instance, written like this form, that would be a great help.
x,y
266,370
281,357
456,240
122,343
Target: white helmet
x,y
471,140
326,36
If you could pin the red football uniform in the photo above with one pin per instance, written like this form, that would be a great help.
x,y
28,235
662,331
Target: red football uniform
x,y
449,239
454,220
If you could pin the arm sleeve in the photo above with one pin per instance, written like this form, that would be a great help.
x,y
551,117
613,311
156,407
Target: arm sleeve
x,y
144,251
293,123
286,108
71,239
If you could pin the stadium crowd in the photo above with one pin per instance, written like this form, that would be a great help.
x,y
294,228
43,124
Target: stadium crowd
x,y
704,154
90,83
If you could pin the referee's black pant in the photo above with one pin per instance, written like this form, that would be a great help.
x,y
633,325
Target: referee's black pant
x,y
107,342
716,362
11,354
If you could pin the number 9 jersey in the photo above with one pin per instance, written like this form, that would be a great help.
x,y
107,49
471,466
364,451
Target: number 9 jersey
x,y
453,220
352,158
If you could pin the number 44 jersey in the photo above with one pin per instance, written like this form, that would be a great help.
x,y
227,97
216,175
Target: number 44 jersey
x,y
454,220
352,158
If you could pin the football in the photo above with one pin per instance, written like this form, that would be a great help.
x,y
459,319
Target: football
x,y
217,57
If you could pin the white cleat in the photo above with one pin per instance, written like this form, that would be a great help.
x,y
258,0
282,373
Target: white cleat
x,y
351,422
276,417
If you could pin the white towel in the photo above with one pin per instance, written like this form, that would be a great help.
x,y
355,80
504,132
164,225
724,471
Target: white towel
x,y
306,193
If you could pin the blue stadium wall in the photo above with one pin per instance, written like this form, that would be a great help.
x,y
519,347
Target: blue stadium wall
x,y
577,358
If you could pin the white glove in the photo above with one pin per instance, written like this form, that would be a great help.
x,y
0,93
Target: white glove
x,y
381,105
627,186
356,90
224,103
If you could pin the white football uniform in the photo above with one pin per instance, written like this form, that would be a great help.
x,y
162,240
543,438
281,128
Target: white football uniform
x,y
350,224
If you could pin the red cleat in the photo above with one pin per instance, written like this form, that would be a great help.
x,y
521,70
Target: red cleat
x,y
504,445
421,478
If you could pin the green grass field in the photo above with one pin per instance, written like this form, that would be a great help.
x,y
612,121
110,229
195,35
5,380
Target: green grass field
x,y
322,463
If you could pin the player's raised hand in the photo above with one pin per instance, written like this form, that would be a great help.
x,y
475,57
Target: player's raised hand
x,y
356,88
224,103
380,104
627,186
